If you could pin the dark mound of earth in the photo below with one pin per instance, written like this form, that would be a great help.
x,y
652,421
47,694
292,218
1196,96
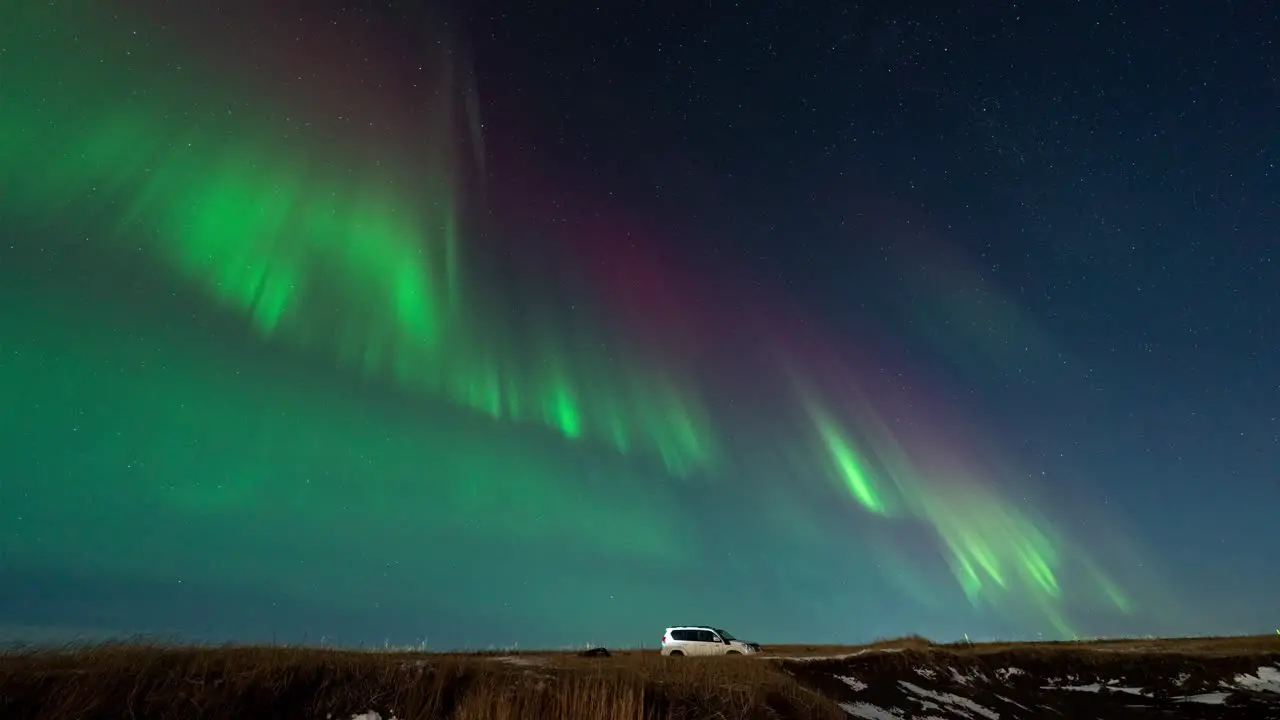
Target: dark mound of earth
x,y
1035,683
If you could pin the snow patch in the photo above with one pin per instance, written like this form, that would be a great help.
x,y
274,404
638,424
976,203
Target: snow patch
x,y
372,715
949,699
1217,698
516,660
1091,687
816,658
853,682
1005,699
926,673
928,704
1112,685
1131,691
1267,680
867,711
1005,673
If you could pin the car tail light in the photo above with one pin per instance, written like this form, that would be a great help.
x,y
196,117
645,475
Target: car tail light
x,y
664,639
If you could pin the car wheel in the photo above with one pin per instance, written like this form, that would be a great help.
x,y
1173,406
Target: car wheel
x,y
675,653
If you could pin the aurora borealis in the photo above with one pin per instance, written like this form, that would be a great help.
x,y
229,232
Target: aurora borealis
x,y
290,347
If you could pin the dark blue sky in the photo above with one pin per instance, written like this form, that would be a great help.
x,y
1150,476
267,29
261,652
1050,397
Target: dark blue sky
x,y
1017,261
1112,169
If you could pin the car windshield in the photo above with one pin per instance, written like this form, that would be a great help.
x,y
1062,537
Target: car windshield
x,y
724,635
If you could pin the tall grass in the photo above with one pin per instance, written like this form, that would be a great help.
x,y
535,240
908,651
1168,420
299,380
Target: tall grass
x,y
139,681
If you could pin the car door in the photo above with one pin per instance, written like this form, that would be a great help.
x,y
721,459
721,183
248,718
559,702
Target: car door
x,y
686,641
710,643
695,647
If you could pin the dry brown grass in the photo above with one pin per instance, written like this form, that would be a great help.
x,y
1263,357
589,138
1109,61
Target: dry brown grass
x,y
138,681
1235,645
149,681
912,642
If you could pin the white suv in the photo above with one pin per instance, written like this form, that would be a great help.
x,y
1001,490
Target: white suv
x,y
703,640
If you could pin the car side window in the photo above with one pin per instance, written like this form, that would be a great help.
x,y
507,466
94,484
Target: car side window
x,y
706,636
683,635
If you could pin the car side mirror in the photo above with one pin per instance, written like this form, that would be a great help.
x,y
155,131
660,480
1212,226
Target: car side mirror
x,y
727,642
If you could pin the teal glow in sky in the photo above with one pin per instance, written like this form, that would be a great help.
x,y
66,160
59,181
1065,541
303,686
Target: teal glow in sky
x,y
265,350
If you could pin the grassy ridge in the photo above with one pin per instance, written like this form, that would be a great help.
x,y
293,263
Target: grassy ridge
x,y
239,683
132,681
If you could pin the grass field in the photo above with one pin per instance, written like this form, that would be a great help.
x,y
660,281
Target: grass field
x,y
793,681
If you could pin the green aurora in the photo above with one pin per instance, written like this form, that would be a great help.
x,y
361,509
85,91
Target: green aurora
x,y
412,411
349,255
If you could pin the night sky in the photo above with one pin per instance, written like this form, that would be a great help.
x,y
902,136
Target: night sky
x,y
550,324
